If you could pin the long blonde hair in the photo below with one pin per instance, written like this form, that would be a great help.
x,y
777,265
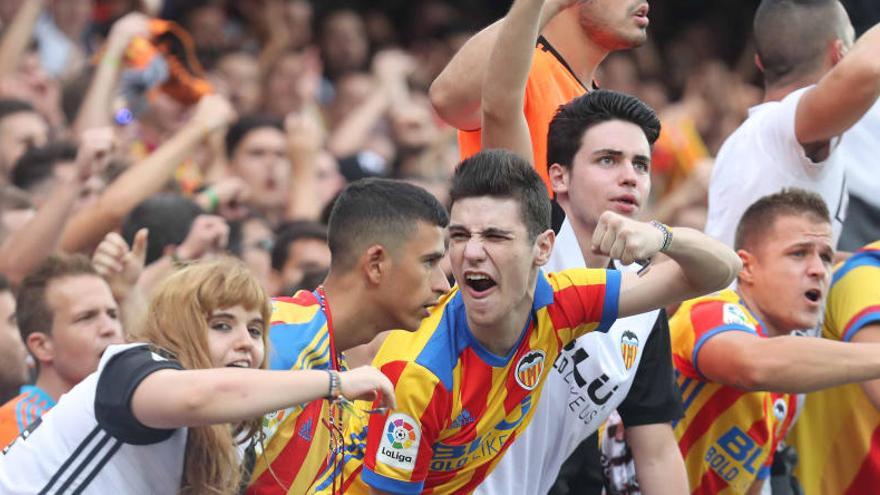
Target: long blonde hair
x,y
177,321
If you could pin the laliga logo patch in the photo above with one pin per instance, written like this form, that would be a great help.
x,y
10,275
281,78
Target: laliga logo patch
x,y
529,369
400,443
734,315
629,348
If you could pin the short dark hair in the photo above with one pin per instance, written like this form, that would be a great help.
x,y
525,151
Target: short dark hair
x,y
502,174
575,118
291,232
378,211
246,124
32,308
792,35
38,164
169,218
761,216
9,106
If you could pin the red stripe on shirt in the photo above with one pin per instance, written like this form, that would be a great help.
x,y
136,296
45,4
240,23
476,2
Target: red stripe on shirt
x,y
720,401
286,465
867,478
576,305
710,484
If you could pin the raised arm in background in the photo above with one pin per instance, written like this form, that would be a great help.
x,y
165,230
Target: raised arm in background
x,y
25,249
147,177
97,106
17,36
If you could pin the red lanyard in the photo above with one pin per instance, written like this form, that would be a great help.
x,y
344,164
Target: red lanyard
x,y
337,438
322,299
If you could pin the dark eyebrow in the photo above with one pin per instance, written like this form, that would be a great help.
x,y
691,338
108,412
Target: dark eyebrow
x,y
496,231
434,256
608,151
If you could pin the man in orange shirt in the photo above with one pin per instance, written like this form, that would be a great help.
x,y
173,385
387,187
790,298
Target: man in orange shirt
x,y
571,46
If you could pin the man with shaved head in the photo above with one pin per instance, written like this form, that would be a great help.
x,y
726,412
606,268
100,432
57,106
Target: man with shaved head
x,y
817,83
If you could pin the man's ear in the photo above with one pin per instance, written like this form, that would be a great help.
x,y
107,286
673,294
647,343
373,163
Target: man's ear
x,y
837,51
374,263
41,347
544,246
559,178
758,63
746,275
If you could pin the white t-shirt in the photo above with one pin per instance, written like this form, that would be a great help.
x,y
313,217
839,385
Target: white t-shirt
x,y
762,157
859,151
88,443
589,379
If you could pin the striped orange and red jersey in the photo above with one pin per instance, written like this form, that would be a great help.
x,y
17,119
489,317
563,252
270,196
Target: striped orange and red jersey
x,y
18,413
297,445
727,436
551,83
837,435
459,406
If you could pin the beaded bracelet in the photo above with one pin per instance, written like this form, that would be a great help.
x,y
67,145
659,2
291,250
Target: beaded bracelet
x,y
667,234
334,391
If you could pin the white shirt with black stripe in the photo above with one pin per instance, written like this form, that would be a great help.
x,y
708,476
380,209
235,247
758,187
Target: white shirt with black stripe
x,y
90,443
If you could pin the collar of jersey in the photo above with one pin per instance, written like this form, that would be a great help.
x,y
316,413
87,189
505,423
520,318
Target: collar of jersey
x,y
543,297
33,389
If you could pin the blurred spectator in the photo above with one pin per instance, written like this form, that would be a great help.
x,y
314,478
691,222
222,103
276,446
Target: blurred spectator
x,y
256,149
169,218
344,44
13,355
21,127
67,317
252,240
300,248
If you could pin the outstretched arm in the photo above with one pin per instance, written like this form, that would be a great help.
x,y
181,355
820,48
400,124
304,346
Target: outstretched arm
x,y
786,364
843,95
173,399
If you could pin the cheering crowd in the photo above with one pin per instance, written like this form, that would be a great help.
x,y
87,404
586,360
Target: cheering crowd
x,y
292,247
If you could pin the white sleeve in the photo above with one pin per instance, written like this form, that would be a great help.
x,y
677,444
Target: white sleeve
x,y
779,131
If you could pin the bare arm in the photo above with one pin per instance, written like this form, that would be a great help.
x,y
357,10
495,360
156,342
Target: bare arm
x,y
97,106
700,264
33,243
870,334
390,68
503,90
304,143
786,364
18,35
144,179
174,399
843,95
659,465
36,240
456,92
